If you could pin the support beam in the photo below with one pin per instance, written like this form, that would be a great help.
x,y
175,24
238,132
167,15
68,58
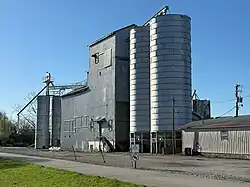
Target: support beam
x,y
18,114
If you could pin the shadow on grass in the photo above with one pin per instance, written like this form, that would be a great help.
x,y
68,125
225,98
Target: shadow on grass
x,y
8,163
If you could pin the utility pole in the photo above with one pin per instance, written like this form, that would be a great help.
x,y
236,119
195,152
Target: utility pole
x,y
173,122
237,99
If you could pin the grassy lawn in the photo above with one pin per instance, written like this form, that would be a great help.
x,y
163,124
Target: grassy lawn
x,y
19,174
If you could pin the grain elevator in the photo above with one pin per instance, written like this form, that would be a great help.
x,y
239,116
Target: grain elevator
x,y
160,81
138,90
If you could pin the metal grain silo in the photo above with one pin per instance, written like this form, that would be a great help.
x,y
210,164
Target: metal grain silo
x,y
42,135
170,74
4,128
56,120
139,87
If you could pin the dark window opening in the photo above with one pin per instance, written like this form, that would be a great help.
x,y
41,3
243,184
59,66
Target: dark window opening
x,y
178,135
96,57
224,135
110,125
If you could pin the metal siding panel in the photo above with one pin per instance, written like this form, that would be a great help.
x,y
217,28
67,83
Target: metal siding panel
x,y
234,142
213,142
188,139
56,120
231,140
248,142
227,145
170,69
237,148
222,145
42,137
242,142
210,142
211,139
204,141
139,80
201,140
245,142
122,66
240,151
81,105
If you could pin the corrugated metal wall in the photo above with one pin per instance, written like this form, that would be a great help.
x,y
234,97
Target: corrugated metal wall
x,y
108,96
187,140
236,142
4,128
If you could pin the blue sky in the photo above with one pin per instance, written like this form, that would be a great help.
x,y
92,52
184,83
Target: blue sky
x,y
42,35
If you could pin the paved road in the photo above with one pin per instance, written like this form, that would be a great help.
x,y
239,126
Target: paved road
x,y
125,174
223,169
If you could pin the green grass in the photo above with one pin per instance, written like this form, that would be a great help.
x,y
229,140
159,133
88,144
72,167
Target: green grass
x,y
19,174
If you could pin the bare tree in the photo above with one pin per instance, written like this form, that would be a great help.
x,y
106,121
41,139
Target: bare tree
x,y
30,113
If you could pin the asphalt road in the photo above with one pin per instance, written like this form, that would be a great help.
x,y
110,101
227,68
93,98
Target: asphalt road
x,y
221,169
152,178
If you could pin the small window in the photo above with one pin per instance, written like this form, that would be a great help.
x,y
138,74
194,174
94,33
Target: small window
x,y
132,135
100,73
110,125
78,121
178,135
224,135
66,126
85,121
97,60
91,124
96,57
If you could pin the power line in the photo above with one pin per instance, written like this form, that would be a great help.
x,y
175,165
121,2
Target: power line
x,y
224,101
228,111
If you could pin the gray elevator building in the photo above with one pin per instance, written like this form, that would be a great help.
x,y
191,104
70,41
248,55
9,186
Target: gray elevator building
x,y
97,115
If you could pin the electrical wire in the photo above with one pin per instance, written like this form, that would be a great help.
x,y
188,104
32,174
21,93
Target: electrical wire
x,y
224,101
227,112
246,96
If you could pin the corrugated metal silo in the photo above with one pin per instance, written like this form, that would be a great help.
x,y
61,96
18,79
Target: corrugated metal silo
x,y
42,136
139,86
170,71
4,128
56,120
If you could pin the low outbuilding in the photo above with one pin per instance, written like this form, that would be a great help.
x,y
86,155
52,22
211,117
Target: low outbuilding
x,y
220,137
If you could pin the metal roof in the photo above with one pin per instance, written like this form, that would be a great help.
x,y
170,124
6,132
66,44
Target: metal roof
x,y
78,90
221,122
110,34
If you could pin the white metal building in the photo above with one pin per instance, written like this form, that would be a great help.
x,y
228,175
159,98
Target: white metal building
x,y
227,136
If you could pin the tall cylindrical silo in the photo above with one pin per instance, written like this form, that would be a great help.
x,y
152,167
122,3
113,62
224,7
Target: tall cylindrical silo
x,y
4,128
42,135
56,120
139,86
170,71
